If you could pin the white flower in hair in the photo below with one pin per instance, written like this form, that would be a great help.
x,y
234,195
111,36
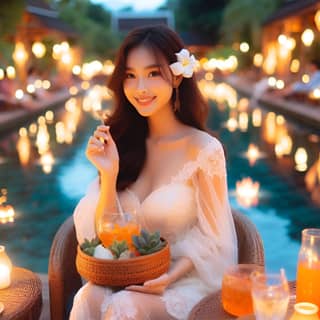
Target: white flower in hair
x,y
186,64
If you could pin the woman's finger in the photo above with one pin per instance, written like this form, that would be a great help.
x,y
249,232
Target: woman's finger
x,y
101,136
95,141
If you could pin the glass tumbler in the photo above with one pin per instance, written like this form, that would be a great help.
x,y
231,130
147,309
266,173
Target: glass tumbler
x,y
236,289
270,295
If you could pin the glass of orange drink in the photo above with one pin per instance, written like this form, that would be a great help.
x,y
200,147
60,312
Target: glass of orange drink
x,y
236,289
118,227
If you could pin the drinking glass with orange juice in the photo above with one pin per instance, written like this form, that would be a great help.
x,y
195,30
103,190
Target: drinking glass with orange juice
x,y
236,289
118,227
308,271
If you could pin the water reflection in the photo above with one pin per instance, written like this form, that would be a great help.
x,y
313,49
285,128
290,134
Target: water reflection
x,y
260,145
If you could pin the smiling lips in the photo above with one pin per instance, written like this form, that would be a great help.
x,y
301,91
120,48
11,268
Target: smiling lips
x,y
145,100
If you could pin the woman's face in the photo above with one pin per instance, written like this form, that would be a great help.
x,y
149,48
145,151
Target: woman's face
x,y
147,84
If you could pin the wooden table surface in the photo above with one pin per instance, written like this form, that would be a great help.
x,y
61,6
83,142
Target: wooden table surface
x,y
23,299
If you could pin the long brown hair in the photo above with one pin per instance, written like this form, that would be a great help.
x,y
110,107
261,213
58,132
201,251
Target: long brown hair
x,y
128,128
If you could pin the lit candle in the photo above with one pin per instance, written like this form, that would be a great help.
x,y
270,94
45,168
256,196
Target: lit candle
x,y
5,276
5,269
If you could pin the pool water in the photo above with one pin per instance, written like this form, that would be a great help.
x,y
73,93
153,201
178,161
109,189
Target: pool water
x,y
43,201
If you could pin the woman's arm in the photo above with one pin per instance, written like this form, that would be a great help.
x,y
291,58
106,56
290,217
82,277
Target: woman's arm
x,y
103,154
157,286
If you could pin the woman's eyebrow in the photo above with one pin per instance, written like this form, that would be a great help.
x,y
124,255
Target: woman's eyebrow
x,y
151,66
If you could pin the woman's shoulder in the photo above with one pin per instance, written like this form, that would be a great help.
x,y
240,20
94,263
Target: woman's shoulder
x,y
202,141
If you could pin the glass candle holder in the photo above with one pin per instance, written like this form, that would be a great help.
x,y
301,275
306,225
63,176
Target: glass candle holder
x,y
5,269
305,311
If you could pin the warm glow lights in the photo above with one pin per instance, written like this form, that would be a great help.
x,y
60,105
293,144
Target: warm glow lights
x,y
6,211
301,158
270,61
247,192
232,124
305,78
295,66
283,146
315,94
307,37
258,59
38,49
47,161
23,147
49,115
5,269
19,94
208,76
252,154
31,88
73,90
256,117
243,104
46,84
279,84
42,139
1,74
76,70
244,47
11,72
243,121
317,19
20,54
272,81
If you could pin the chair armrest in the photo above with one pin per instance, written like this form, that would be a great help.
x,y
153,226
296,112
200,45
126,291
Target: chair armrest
x,y
250,246
64,280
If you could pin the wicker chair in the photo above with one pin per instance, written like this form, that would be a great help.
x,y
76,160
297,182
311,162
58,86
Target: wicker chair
x,y
64,280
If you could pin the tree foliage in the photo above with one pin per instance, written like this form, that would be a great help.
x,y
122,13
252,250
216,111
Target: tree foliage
x,y
93,24
199,16
242,20
10,14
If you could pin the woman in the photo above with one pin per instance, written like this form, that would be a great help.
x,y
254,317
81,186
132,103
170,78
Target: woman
x,y
155,158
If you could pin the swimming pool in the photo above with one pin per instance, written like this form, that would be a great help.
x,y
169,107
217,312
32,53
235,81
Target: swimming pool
x,y
43,201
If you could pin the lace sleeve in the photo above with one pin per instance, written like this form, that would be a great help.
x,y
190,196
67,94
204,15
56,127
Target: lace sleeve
x,y
211,243
210,160
84,213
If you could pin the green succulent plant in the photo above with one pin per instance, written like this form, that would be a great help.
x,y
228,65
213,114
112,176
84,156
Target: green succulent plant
x,y
88,246
147,242
118,247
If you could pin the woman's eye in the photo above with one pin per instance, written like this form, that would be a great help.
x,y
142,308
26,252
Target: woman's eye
x,y
154,73
129,75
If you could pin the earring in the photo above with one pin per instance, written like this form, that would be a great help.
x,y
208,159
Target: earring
x,y
176,103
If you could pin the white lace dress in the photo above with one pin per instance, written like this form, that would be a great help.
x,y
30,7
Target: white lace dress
x,y
193,213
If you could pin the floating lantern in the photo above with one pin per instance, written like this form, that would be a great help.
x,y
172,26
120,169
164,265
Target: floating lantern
x,y
23,146
6,211
253,154
47,161
247,192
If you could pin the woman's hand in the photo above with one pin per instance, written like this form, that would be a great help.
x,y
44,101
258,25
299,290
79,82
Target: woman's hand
x,y
155,286
102,151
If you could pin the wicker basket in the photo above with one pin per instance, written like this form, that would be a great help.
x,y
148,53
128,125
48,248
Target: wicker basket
x,y
124,272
